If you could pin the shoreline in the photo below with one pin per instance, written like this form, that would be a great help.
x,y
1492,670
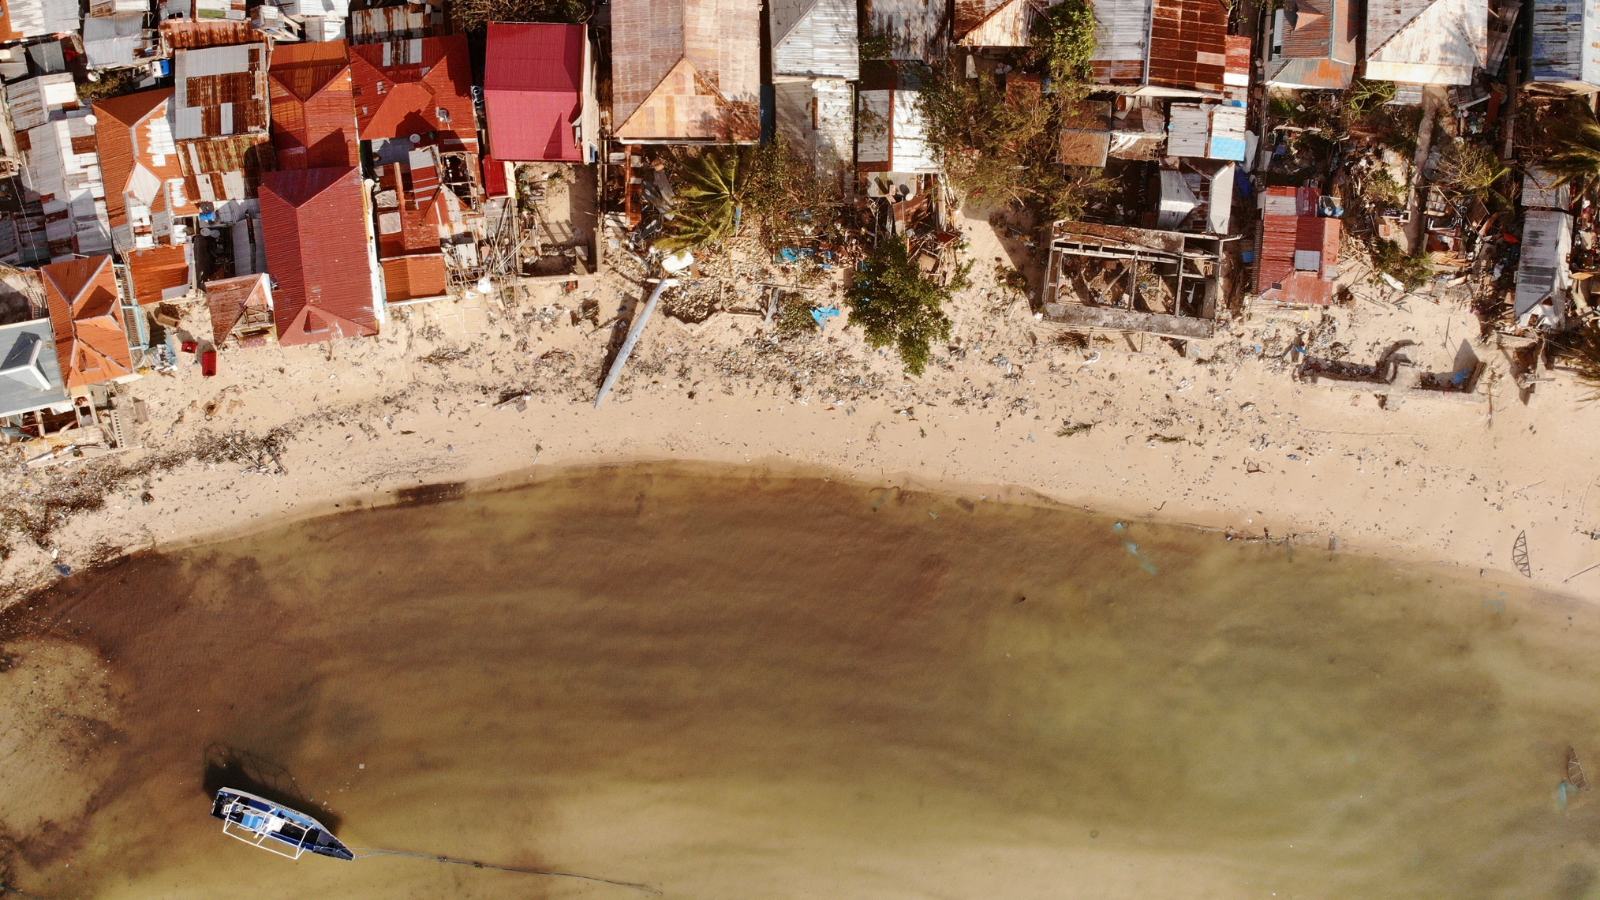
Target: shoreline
x,y
1009,494
1221,438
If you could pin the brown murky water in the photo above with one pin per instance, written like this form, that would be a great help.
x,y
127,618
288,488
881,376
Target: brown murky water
x,y
747,688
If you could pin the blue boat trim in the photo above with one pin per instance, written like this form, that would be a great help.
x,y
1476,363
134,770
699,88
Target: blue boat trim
x,y
262,823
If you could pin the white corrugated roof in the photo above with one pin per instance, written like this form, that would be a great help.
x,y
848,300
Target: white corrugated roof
x,y
816,38
1427,41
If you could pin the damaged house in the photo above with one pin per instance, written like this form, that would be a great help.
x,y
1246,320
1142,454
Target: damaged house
x,y
415,214
1297,251
1544,275
1314,45
55,139
415,93
1427,41
685,71
1131,280
815,59
1176,48
144,184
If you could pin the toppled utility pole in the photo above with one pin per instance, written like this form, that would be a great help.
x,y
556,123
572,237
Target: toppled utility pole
x,y
634,331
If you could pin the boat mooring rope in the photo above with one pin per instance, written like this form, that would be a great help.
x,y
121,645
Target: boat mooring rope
x,y
368,852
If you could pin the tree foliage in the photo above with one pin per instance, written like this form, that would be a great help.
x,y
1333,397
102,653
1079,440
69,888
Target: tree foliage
x,y
1064,39
1411,270
1580,350
1576,160
720,190
1002,145
896,305
1472,170
709,188
474,16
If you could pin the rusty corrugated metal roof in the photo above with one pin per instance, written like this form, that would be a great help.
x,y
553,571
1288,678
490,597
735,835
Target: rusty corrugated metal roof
x,y
1189,44
159,273
91,345
137,159
240,303
313,105
225,168
418,277
317,251
220,91
1278,278
685,70
186,34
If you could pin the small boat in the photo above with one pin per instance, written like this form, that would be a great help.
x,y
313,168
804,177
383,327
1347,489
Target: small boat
x,y
256,820
1575,771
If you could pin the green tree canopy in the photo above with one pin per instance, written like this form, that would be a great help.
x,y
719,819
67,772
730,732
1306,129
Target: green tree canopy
x,y
1064,38
1576,160
474,16
896,305
1002,145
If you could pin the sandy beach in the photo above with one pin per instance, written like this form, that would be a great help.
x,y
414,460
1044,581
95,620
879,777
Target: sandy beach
x,y
1224,438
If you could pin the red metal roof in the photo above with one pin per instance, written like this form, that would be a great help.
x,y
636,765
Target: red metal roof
x,y
317,251
494,178
533,90
407,88
153,272
419,277
85,314
313,105
1276,276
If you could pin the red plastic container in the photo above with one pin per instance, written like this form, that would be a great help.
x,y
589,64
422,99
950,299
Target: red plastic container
x,y
208,363
190,346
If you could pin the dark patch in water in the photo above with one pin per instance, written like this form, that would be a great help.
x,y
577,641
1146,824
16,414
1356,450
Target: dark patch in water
x,y
424,494
232,767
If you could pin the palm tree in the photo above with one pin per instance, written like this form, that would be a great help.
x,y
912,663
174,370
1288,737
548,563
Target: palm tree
x,y
707,208
1579,349
1576,161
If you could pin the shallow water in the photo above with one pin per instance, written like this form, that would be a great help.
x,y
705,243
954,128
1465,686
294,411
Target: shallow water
x,y
737,687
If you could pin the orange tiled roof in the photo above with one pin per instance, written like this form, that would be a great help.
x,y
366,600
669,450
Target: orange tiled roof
x,y
86,315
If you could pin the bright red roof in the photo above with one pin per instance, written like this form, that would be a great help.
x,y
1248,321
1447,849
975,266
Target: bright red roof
x,y
533,90
406,88
316,237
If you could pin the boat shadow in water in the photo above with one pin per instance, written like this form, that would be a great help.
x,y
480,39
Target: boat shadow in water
x,y
230,767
